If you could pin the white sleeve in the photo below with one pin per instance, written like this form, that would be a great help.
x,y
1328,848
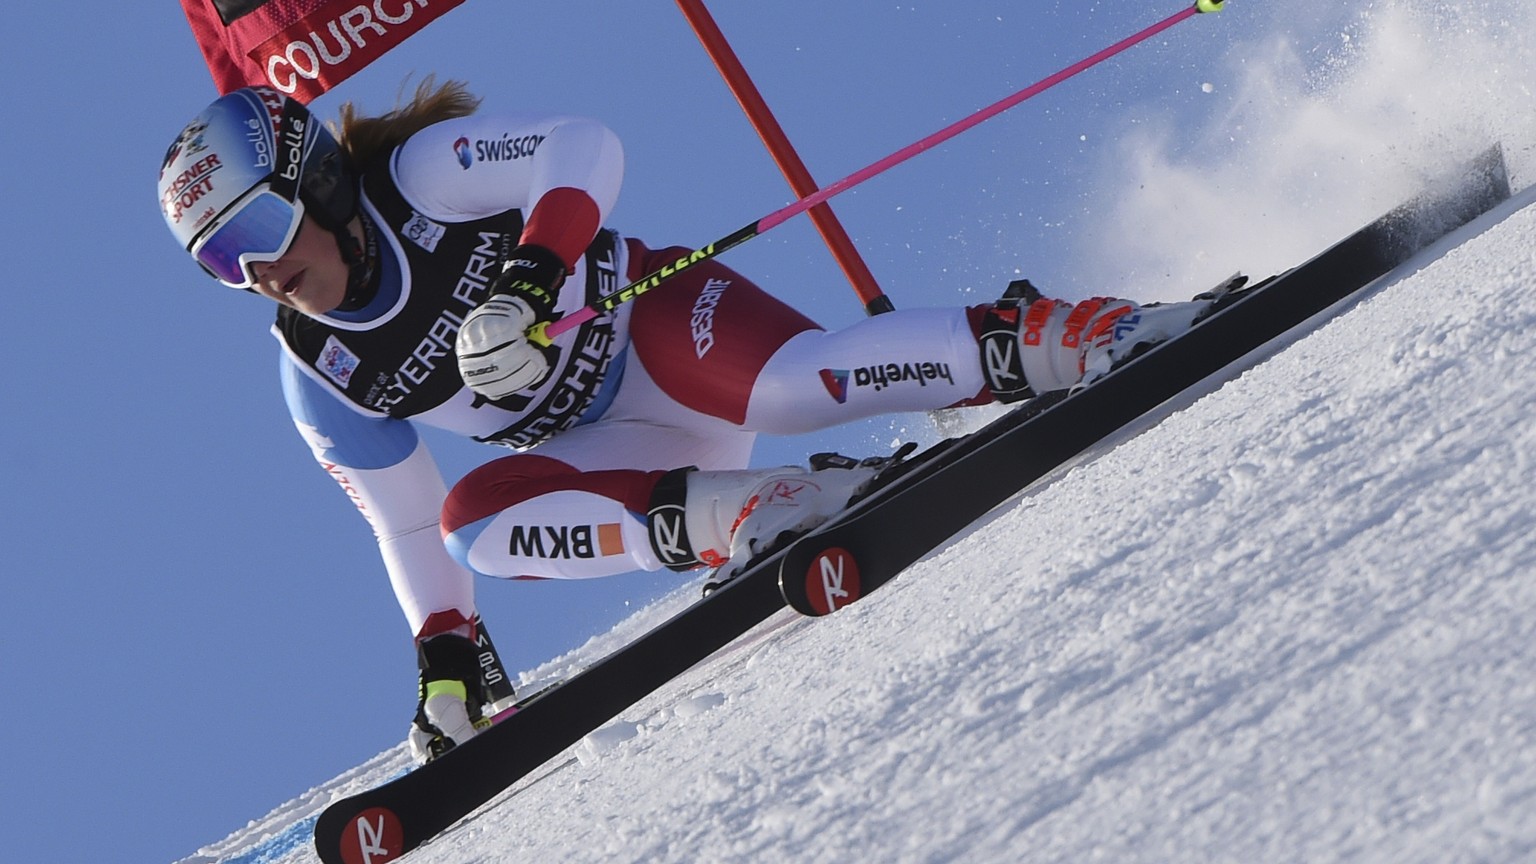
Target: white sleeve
x,y
386,470
476,166
403,503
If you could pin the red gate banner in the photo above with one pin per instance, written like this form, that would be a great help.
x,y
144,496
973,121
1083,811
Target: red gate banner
x,y
301,47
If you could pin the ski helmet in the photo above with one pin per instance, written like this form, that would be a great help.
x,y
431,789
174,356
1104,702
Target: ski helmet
x,y
239,179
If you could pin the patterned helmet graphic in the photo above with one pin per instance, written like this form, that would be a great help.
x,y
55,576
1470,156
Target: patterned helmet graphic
x,y
227,177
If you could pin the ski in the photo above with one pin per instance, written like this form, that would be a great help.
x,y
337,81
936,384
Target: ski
x,y
958,481
923,500
381,824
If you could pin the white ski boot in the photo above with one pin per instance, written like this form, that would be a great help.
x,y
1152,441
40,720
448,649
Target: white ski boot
x,y
1126,329
723,519
1032,344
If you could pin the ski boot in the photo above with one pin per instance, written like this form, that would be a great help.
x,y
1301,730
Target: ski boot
x,y
1032,344
724,519
1121,330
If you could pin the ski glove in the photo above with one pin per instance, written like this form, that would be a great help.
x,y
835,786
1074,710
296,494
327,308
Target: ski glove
x,y
450,695
496,359
533,273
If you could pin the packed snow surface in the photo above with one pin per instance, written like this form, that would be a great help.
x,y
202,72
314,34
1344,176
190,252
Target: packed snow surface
x,y
1293,621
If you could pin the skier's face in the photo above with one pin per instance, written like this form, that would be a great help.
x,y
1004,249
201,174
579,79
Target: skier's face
x,y
310,277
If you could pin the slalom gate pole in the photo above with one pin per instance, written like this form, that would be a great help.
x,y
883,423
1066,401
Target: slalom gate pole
x,y
544,333
736,78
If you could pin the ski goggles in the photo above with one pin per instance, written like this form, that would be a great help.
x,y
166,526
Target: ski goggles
x,y
259,227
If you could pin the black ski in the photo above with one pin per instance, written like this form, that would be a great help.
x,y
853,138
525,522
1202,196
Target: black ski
x,y
385,822
962,478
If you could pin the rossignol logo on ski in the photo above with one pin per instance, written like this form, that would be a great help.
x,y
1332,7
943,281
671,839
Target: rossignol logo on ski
x,y
373,837
832,580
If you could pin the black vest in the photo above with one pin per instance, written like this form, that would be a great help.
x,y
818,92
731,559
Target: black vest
x,y
405,365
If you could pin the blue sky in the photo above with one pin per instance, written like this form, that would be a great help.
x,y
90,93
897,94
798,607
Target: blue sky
x,y
199,624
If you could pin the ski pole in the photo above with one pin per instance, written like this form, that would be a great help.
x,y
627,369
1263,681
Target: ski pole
x,y
544,332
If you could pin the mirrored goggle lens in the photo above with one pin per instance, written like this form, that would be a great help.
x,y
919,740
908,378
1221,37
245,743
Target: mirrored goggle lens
x,y
260,229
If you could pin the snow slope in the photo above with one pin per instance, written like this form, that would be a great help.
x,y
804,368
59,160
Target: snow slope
x,y
1293,621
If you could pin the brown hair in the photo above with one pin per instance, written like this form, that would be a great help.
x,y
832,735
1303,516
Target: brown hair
x,y
365,138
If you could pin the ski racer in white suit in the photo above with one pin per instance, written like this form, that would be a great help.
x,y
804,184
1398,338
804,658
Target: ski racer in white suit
x,y
416,252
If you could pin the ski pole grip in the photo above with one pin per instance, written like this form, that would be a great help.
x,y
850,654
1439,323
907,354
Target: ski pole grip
x,y
543,333
1209,5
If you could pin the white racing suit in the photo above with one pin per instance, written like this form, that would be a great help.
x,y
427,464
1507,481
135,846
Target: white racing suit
x,y
687,374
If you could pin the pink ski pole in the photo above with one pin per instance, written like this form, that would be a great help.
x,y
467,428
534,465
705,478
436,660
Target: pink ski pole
x,y
544,333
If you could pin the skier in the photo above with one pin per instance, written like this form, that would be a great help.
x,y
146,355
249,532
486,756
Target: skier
x,y
409,256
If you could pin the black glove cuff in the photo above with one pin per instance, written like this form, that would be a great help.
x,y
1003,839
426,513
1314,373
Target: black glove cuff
x,y
534,273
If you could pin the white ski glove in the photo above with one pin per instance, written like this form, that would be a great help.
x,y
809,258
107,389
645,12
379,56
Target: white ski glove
x,y
495,357
442,723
